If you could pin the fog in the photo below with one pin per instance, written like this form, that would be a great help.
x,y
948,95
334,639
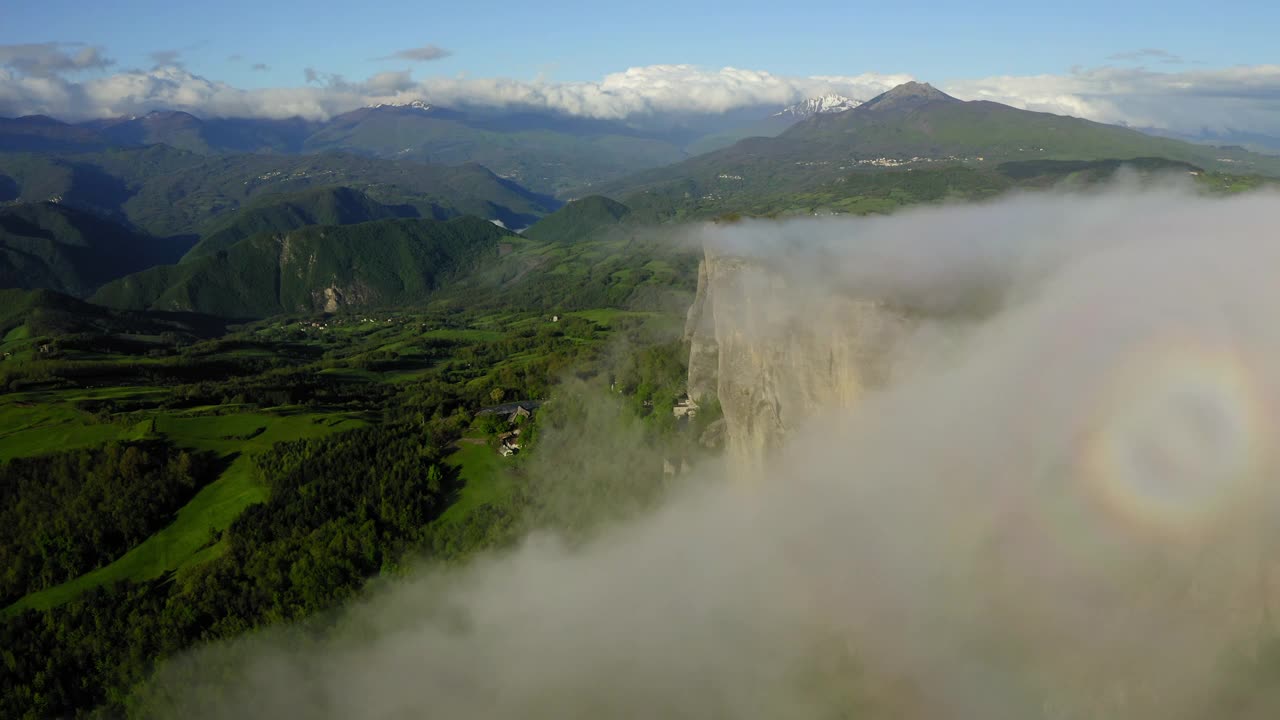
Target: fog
x,y
1062,510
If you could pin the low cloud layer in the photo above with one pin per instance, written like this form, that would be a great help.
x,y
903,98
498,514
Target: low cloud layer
x,y
41,78
641,91
1064,511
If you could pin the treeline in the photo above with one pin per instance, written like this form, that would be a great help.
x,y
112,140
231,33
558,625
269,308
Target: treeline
x,y
339,510
16,376
67,513
281,386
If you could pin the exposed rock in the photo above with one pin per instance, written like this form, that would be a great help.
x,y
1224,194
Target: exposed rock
x,y
712,437
775,352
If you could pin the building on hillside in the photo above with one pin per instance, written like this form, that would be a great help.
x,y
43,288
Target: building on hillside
x,y
509,443
512,411
685,407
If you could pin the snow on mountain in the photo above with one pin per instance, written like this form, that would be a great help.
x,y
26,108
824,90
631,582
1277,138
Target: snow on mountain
x,y
416,105
829,103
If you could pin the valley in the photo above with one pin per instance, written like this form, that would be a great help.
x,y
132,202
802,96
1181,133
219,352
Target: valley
x,y
595,381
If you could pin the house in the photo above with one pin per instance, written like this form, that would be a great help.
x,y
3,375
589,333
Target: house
x,y
685,407
509,443
512,410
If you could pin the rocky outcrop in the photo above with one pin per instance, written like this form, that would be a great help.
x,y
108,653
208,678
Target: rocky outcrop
x,y
775,350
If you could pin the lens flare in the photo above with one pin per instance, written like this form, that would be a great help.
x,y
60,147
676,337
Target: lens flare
x,y
1178,438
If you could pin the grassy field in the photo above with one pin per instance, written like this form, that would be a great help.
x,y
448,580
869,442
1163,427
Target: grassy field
x,y
36,423
187,539
487,476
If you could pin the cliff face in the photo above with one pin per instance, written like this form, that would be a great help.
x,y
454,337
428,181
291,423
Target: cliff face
x,y
775,351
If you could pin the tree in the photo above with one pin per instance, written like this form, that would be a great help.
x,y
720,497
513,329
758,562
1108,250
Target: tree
x,y
496,395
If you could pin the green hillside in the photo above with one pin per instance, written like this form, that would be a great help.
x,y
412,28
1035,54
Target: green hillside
x,y
169,192
281,213
579,219
27,317
912,127
48,245
915,120
318,267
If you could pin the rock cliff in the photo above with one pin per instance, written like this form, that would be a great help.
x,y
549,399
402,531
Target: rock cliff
x,y
775,350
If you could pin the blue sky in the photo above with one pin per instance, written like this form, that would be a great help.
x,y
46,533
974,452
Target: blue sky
x,y
570,40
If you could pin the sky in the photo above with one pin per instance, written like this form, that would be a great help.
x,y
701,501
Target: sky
x,y
343,54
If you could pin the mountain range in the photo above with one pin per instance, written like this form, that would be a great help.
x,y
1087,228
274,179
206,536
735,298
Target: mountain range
x,y
545,152
912,127
270,232
549,153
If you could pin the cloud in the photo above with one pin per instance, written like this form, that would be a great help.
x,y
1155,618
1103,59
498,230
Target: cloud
x,y
259,67
1241,99
1059,508
426,53
1163,56
167,58
640,91
44,60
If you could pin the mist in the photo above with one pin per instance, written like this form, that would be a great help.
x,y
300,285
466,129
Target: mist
x,y
1058,506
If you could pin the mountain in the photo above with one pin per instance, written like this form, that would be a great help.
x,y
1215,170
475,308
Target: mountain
x,y
319,267
579,220
773,124
917,120
913,127
206,136
39,133
281,213
170,192
828,103
47,245
1252,141
544,152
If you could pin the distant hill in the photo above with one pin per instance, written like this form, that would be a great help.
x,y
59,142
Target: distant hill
x,y
45,313
318,267
39,133
215,135
171,192
913,126
47,245
544,152
578,220
281,213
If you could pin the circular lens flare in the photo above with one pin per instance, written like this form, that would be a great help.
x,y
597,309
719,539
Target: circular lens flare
x,y
1176,439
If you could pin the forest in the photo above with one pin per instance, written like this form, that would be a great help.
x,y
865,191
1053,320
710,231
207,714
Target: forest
x,y
225,484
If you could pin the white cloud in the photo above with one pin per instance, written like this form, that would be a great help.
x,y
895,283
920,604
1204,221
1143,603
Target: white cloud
x,y
635,92
1245,98
425,53
165,58
1156,54
1240,99
50,58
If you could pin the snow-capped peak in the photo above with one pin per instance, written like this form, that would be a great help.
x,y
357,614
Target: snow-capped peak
x,y
829,103
416,105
